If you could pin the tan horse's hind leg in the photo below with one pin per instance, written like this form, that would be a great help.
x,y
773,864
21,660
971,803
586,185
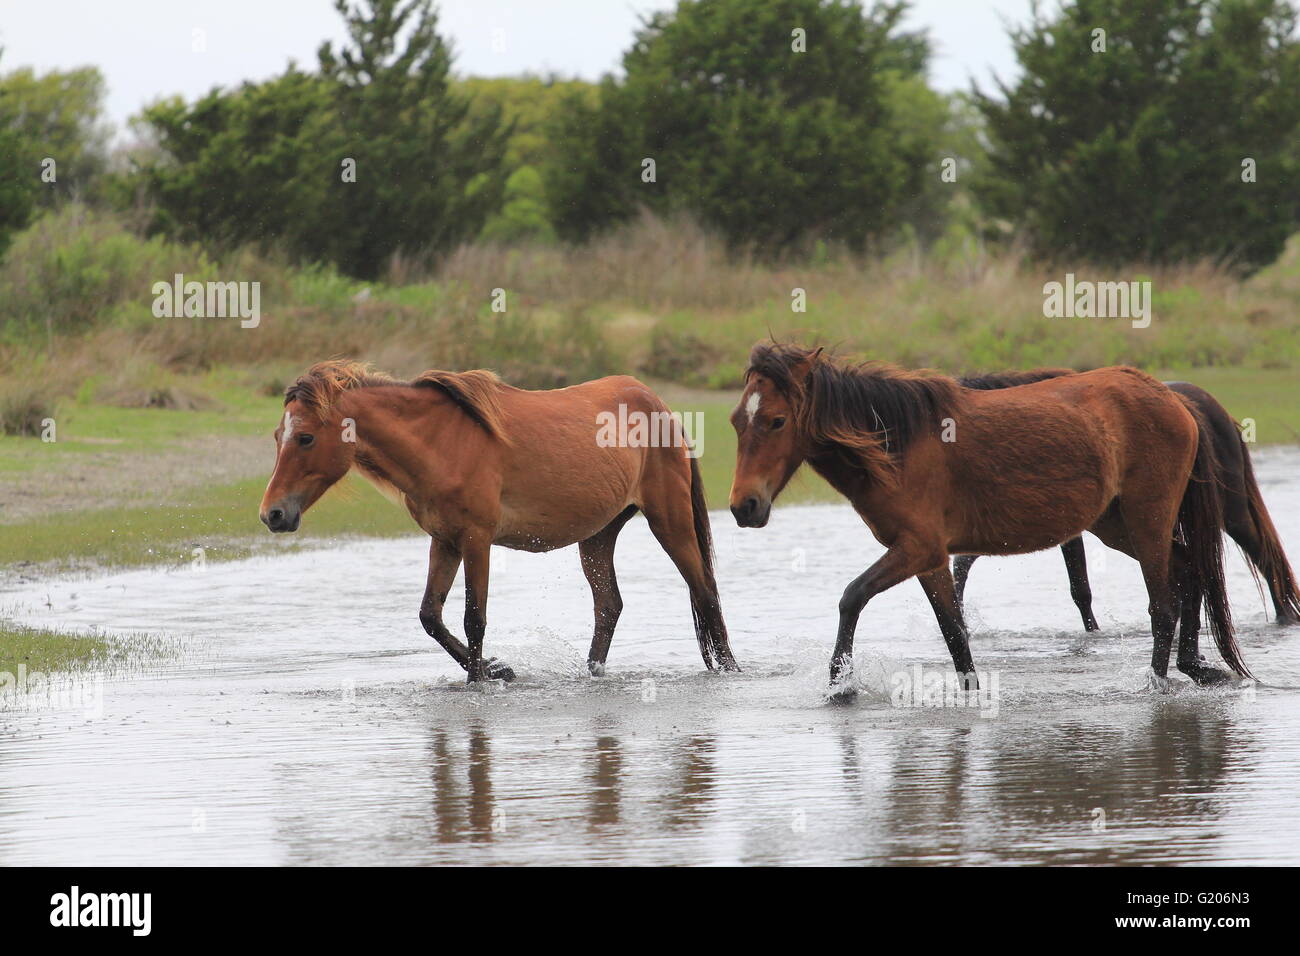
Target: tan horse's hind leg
x,y
598,565
670,508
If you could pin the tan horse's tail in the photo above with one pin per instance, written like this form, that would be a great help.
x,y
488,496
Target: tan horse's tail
x,y
1201,520
710,629
1272,562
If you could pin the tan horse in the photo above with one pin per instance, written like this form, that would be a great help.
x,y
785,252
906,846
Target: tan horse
x,y
935,469
477,463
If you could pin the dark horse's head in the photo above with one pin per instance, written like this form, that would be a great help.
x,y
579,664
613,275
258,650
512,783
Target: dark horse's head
x,y
314,448
799,405
770,447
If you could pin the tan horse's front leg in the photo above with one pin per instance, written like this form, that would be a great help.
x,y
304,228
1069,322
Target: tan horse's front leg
x,y
444,560
475,549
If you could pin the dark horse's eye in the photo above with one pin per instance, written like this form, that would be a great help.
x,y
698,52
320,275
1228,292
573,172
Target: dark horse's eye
x,y
778,423
305,440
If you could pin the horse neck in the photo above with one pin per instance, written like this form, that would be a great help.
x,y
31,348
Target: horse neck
x,y
385,417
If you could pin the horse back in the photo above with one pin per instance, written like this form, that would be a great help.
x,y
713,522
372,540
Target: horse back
x,y
1039,462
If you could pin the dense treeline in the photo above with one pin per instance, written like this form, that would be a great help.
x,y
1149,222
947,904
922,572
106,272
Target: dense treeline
x,y
1162,131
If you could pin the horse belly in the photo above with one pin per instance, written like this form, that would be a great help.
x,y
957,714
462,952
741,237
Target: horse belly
x,y
541,531
1020,510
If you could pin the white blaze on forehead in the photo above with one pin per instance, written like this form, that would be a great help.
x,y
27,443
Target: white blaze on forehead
x,y
288,428
751,406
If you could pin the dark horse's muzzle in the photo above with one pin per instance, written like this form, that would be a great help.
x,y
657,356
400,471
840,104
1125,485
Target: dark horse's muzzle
x,y
752,513
283,517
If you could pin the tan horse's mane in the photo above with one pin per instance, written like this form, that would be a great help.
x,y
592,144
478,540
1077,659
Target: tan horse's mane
x,y
477,392
867,412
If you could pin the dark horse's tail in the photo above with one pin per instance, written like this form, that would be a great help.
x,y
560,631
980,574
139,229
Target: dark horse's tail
x,y
710,629
1200,518
1272,561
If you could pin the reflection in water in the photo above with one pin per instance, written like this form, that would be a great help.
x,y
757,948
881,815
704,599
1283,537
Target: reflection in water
x,y
603,782
462,787
1075,791
691,783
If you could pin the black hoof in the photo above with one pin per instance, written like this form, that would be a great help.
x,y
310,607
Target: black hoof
x,y
842,689
1288,619
1091,625
490,670
841,694
1207,676
496,670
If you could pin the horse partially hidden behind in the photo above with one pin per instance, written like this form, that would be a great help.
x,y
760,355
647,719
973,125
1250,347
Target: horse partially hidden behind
x,y
934,470
477,462
1245,517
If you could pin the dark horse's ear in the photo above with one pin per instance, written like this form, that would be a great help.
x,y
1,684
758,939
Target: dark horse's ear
x,y
801,369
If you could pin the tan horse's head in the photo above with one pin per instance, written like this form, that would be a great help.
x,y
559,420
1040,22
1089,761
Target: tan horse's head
x,y
770,445
315,446
311,455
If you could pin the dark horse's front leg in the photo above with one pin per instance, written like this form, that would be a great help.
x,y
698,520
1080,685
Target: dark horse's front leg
x,y
939,588
897,564
444,559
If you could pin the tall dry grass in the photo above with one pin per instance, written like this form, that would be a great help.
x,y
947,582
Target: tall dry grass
x,y
662,299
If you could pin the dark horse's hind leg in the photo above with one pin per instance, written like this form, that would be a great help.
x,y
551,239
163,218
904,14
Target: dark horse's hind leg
x,y
1076,567
598,565
444,559
960,572
1188,590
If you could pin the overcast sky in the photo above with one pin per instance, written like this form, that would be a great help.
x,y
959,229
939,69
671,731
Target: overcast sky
x,y
147,48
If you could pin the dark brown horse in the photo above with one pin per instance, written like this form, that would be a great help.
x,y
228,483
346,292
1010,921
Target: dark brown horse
x,y
1245,517
935,469
477,463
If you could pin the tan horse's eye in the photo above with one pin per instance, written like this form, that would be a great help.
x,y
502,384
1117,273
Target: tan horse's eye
x,y
305,440
778,423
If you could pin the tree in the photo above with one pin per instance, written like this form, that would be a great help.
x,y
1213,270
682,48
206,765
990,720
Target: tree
x,y
429,172
251,165
60,115
766,143
372,154
18,173
1144,152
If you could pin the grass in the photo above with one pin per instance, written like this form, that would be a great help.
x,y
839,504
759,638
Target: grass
x,y
664,300
1269,397
48,651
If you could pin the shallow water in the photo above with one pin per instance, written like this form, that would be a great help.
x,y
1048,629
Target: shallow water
x,y
310,720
